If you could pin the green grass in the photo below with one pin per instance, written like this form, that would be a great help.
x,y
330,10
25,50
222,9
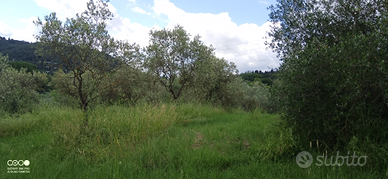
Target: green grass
x,y
165,141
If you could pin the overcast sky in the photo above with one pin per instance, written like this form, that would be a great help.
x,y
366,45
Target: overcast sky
x,y
236,28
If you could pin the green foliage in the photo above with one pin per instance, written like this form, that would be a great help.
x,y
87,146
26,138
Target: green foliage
x,y
334,77
266,77
232,96
3,62
18,50
173,57
134,86
66,92
257,96
84,48
18,65
267,81
218,84
250,77
63,99
172,61
17,88
256,81
212,78
21,51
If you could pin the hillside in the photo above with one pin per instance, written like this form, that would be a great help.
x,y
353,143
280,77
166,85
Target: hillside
x,y
23,51
18,50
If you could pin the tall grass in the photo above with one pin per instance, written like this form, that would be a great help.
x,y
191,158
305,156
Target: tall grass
x,y
113,128
160,141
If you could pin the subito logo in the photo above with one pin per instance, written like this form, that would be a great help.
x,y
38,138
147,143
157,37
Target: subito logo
x,y
304,159
18,163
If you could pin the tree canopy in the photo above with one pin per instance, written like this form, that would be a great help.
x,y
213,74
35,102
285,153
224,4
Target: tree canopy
x,y
174,58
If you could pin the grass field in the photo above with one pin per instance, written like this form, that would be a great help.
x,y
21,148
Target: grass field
x,y
165,141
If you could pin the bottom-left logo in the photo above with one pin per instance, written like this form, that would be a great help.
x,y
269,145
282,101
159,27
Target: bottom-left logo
x,y
18,163
18,166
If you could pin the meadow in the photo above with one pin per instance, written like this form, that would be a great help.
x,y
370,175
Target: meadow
x,y
173,109
160,141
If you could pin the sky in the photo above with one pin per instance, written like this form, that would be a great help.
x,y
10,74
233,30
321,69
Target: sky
x,y
235,28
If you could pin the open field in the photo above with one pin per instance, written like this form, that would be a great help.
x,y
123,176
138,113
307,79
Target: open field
x,y
165,141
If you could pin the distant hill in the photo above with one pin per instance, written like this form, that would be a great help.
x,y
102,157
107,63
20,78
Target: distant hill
x,y
23,51
17,50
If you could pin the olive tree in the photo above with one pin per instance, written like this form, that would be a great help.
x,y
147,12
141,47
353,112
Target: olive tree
x,y
212,78
174,58
83,47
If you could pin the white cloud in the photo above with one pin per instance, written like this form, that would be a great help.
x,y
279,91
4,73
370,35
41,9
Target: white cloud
x,y
263,2
5,31
28,32
126,30
241,44
119,27
25,34
139,10
123,29
64,8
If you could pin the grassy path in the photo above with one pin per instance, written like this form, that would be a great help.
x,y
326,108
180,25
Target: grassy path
x,y
186,141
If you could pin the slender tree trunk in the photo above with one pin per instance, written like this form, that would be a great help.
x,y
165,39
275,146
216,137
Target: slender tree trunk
x,y
180,90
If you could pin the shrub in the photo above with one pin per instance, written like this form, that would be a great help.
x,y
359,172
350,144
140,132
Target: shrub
x,y
333,81
134,86
17,88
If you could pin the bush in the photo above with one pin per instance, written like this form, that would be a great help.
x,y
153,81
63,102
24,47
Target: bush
x,y
135,86
20,64
64,100
345,98
17,88
333,81
256,96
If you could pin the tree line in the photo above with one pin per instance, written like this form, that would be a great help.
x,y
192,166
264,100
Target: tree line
x,y
257,76
94,68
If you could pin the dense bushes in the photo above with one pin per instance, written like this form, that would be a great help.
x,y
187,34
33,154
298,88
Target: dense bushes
x,y
18,87
345,98
333,82
257,95
134,85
